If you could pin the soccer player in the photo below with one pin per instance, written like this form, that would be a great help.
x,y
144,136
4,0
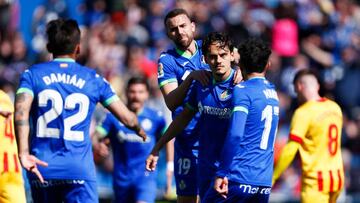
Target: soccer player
x,y
131,182
56,100
177,69
246,163
213,102
11,180
315,132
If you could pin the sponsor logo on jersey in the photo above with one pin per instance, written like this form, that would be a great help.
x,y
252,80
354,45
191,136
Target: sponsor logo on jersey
x,y
214,111
131,137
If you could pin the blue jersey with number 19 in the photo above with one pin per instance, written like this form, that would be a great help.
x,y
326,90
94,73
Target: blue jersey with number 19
x,y
65,94
247,156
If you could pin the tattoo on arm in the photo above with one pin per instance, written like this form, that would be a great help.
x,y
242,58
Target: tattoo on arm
x,y
21,122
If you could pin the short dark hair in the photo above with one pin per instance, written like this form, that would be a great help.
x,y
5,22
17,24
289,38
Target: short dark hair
x,y
138,80
216,37
254,55
63,36
304,72
175,12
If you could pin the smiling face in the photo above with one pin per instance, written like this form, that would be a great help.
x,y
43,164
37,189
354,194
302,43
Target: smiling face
x,y
219,59
180,30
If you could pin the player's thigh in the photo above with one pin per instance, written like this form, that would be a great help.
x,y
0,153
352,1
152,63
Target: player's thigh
x,y
204,185
45,192
212,195
12,188
145,190
187,199
81,191
185,172
124,192
313,195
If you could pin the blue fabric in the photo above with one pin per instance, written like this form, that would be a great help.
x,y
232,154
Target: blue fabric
x,y
252,132
65,95
130,153
68,191
239,193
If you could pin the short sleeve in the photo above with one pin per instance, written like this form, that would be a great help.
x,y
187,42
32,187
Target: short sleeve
x,y
241,100
105,126
166,71
299,126
26,83
107,93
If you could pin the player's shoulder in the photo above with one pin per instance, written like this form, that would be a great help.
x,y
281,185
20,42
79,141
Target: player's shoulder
x,y
167,55
152,113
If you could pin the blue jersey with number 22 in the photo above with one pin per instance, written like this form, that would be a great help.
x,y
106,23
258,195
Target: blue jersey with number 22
x,y
65,94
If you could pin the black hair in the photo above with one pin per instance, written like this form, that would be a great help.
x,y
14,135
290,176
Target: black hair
x,y
175,12
254,55
63,36
216,37
138,80
304,72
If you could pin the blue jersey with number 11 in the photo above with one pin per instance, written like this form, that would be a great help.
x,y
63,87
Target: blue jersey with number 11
x,y
65,94
248,154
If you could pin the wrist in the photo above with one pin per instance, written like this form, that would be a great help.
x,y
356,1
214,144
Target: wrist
x,y
170,166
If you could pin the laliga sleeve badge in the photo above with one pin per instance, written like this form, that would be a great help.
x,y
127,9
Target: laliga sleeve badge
x,y
160,70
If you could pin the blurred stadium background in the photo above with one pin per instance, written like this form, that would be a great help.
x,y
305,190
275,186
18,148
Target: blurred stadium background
x,y
121,38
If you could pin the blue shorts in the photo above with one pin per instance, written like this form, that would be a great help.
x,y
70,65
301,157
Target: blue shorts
x,y
239,193
140,189
185,172
69,191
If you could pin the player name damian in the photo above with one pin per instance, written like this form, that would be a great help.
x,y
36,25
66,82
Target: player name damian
x,y
64,78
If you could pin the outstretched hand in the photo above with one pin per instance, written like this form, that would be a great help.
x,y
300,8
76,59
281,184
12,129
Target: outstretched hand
x,y
221,186
30,162
151,161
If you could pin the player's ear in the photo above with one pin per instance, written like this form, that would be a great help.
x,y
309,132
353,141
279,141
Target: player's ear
x,y
193,26
77,49
203,58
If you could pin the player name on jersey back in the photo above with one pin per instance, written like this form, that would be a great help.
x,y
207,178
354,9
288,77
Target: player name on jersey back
x,y
64,78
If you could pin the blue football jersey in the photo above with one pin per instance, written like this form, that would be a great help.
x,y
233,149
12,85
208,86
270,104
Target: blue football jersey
x,y
129,150
65,94
214,103
175,67
248,157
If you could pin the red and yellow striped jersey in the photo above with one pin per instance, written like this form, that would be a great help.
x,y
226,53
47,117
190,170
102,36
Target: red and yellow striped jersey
x,y
316,126
8,150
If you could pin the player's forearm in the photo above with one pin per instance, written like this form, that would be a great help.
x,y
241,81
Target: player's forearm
x,y
122,113
287,156
170,151
176,97
236,130
21,116
175,128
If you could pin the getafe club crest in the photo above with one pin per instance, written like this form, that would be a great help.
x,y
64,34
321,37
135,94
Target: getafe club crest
x,y
160,70
225,95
